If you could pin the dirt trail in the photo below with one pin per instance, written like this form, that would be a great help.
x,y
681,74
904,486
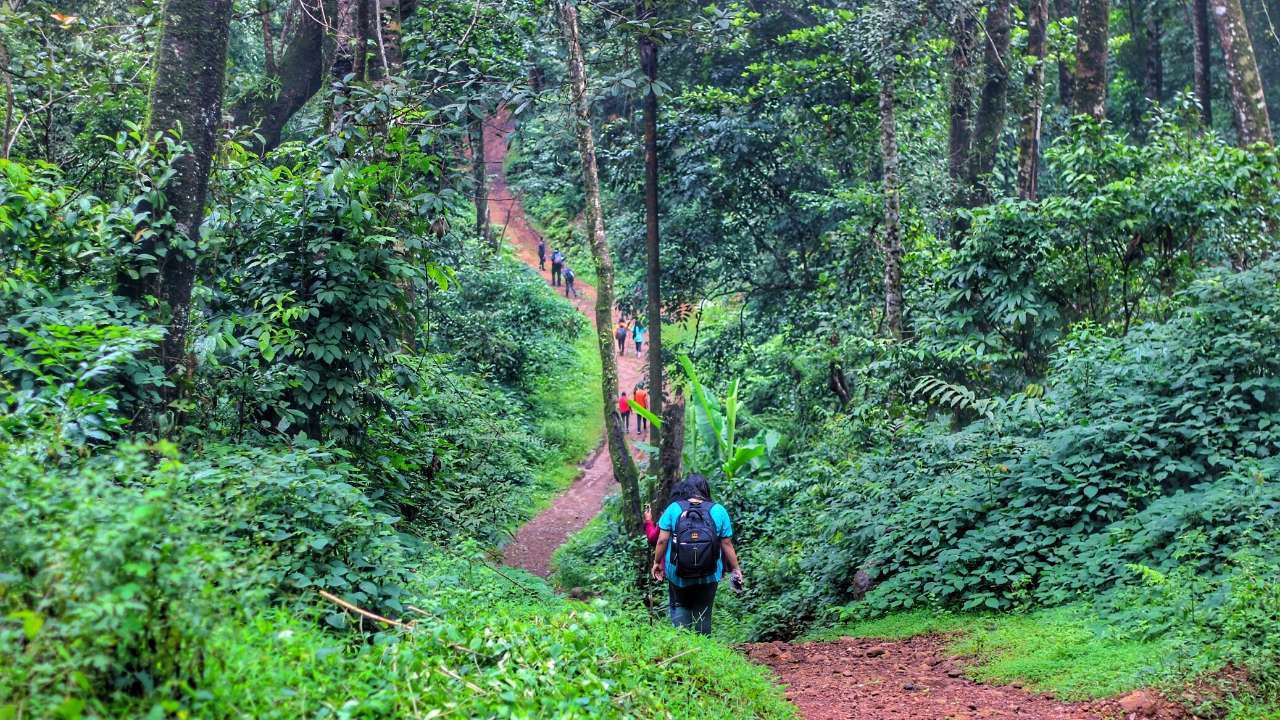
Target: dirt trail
x,y
865,679
850,679
534,542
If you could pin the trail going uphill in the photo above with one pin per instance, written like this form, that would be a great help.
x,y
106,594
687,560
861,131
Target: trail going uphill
x,y
534,543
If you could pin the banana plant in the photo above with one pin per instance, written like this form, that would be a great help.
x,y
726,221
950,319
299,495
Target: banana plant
x,y
715,444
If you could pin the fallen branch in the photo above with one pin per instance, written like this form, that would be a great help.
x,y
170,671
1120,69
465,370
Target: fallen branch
x,y
673,657
365,613
475,688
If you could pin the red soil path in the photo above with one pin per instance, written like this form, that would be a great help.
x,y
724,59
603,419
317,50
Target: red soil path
x,y
864,679
533,544
850,679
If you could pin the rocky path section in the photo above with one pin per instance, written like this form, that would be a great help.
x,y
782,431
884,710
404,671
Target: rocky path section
x,y
534,543
865,679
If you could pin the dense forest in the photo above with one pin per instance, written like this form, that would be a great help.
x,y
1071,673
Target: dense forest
x,y
966,310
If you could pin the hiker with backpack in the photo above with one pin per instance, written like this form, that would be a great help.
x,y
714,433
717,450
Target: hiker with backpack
x,y
568,282
557,263
694,546
542,253
638,333
620,334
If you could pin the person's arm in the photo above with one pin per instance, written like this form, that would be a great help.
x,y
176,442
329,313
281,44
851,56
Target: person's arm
x,y
731,558
650,527
660,556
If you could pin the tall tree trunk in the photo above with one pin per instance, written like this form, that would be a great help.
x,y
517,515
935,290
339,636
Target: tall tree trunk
x,y
300,74
1062,9
363,33
1092,27
1153,75
1247,98
1033,110
892,245
624,467
993,102
960,112
1203,60
670,453
268,38
653,264
186,97
480,177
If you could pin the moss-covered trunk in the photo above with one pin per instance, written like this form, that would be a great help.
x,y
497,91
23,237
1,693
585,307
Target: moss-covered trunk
x,y
1092,30
1033,101
891,247
624,467
1247,98
993,102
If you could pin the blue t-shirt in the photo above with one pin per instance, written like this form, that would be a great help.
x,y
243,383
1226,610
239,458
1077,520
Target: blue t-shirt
x,y
724,528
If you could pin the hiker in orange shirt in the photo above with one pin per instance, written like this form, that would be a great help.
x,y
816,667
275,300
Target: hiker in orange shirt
x,y
641,400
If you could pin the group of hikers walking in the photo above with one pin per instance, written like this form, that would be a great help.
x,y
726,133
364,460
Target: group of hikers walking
x,y
561,273
633,330
693,538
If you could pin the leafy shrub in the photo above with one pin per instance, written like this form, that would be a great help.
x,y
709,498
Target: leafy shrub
x,y
303,516
108,577
1137,442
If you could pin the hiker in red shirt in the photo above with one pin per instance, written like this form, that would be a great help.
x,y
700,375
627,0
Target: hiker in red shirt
x,y
624,409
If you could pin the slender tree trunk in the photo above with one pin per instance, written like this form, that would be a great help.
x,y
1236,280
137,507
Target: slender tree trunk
x,y
1062,9
1153,75
1092,28
1033,111
1247,98
480,176
186,96
653,279
960,113
624,467
5,141
360,67
385,65
268,38
670,453
300,73
892,246
993,103
1203,60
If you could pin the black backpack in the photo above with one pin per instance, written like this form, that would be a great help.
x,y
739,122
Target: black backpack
x,y
697,541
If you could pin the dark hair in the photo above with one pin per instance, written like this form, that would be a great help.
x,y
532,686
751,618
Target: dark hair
x,y
692,486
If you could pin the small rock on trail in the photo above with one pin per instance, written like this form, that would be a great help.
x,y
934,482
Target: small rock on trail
x,y
865,679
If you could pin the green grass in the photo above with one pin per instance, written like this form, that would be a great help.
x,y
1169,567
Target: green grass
x,y
569,417
1060,650
484,647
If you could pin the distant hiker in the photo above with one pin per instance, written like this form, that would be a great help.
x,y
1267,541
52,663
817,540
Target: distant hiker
x,y
568,281
641,399
638,333
694,544
542,253
621,334
624,409
557,263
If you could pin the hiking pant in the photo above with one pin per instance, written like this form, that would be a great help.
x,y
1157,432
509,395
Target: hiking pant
x,y
639,346
568,288
622,345
691,606
642,423
542,261
555,274
626,421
